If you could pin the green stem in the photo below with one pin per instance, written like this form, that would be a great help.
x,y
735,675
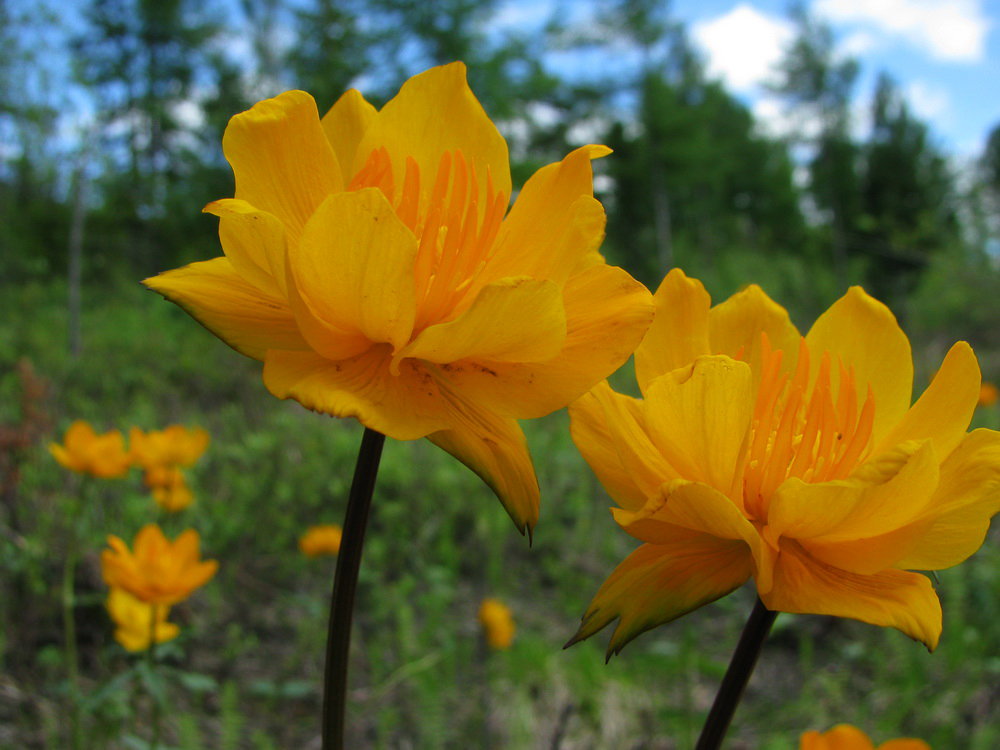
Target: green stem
x,y
345,584
155,719
737,676
69,636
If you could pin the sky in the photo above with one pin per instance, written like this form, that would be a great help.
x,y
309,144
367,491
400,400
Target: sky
x,y
944,54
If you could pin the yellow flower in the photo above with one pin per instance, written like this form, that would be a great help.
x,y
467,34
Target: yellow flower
x,y
159,571
133,620
174,446
169,488
798,461
321,540
988,394
498,624
846,737
370,266
86,452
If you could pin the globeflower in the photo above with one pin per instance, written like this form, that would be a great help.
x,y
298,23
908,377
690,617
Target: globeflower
x,y
321,540
156,570
372,265
174,446
86,452
846,737
498,624
162,453
133,620
797,461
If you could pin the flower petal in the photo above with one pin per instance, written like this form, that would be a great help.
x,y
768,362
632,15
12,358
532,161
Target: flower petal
x,y
697,507
864,334
609,431
513,320
893,598
904,743
495,448
555,221
658,583
235,310
735,327
841,737
435,112
857,524
945,409
353,274
254,242
607,312
405,406
679,332
281,158
958,514
699,418
345,124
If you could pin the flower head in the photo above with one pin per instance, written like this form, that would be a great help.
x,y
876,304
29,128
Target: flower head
x,y
498,624
169,488
372,266
156,570
797,461
174,446
846,737
86,452
133,620
988,394
321,540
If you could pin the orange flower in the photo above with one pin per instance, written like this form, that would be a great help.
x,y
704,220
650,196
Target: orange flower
x,y
169,488
372,266
174,446
988,394
321,540
133,621
498,624
799,461
846,737
86,452
159,571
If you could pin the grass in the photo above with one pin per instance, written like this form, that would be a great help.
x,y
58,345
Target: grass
x,y
245,672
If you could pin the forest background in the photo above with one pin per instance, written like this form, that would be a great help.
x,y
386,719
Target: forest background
x,y
695,181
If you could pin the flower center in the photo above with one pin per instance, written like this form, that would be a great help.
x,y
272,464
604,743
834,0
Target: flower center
x,y
454,242
802,432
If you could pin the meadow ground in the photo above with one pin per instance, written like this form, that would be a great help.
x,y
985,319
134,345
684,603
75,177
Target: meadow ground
x,y
245,672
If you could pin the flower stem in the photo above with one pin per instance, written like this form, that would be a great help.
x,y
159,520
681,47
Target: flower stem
x,y
737,676
69,637
345,584
151,657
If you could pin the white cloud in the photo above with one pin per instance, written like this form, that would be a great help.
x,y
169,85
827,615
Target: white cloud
x,y
928,102
858,43
952,30
743,46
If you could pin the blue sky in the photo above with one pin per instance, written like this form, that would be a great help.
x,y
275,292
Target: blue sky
x,y
944,54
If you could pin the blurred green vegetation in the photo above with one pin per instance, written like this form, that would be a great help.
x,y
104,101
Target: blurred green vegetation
x,y
694,182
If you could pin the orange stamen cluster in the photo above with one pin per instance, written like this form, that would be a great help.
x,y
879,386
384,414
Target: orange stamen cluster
x,y
454,242
801,432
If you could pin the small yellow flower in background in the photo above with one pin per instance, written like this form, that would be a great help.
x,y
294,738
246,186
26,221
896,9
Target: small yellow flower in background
x,y
133,620
988,394
797,461
498,624
846,737
162,453
321,540
86,452
170,489
156,570
372,266
175,445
